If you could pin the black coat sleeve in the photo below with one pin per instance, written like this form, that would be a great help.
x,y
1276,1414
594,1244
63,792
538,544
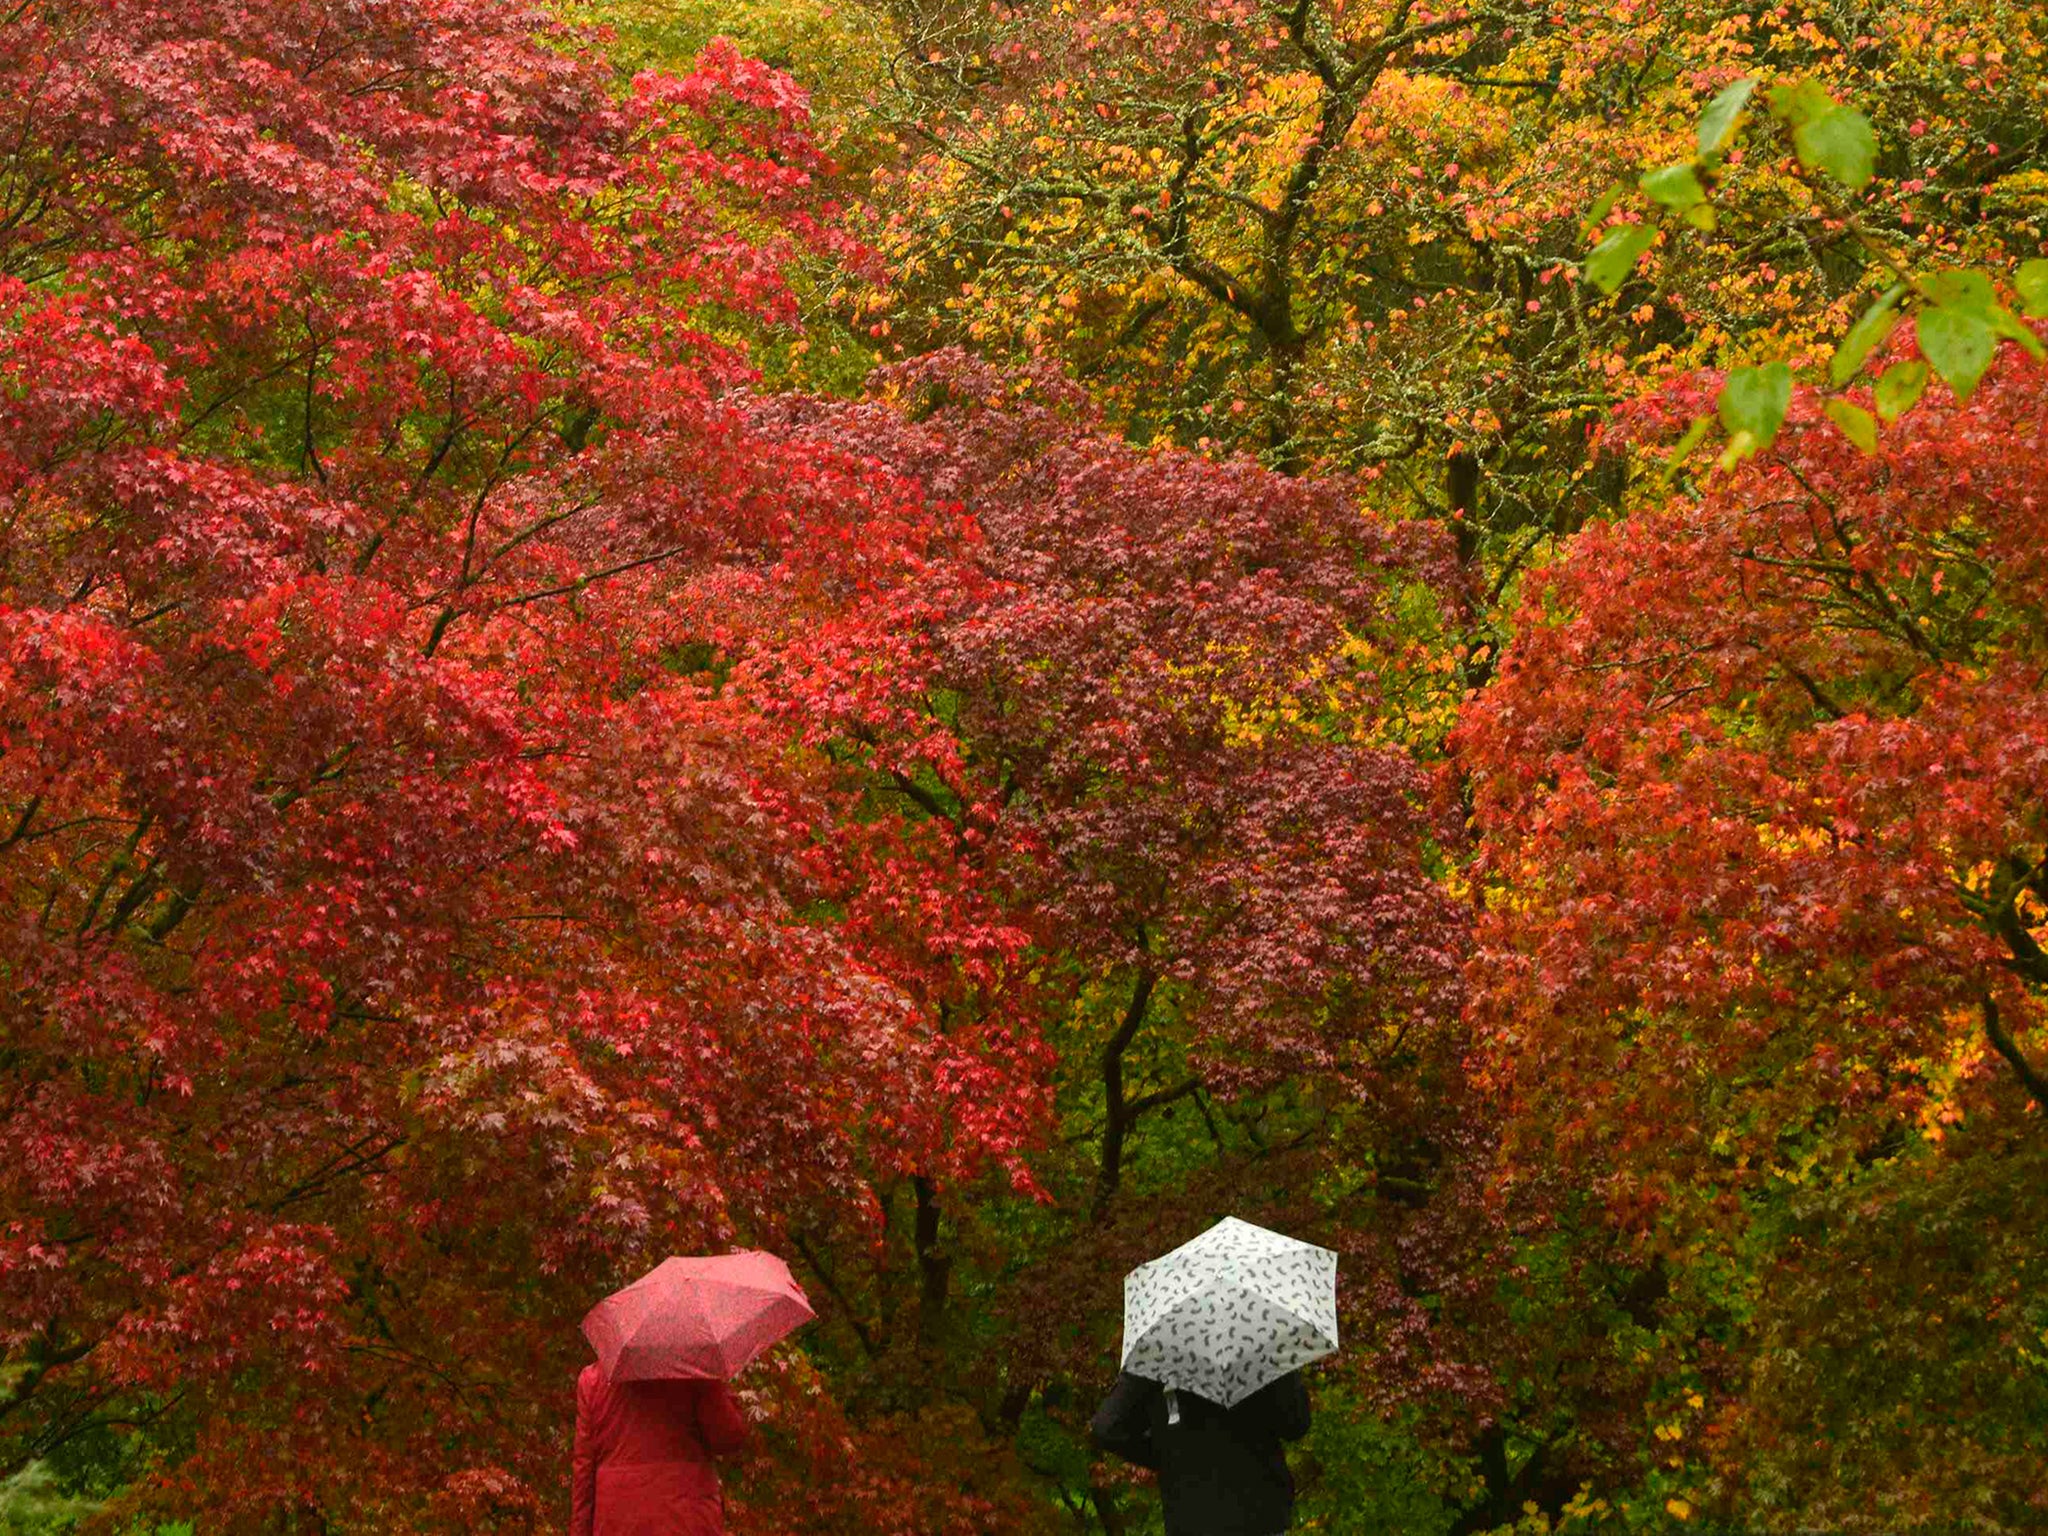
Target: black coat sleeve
x,y
1282,1406
1123,1424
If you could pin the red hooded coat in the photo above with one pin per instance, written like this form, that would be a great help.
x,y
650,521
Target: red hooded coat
x,y
643,1456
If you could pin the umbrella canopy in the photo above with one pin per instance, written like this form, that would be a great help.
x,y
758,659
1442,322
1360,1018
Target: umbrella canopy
x,y
1227,1313
696,1318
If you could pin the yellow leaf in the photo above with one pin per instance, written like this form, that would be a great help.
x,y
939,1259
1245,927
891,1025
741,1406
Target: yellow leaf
x,y
1678,1507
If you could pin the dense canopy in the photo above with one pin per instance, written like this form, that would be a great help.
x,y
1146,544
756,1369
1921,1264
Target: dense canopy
x,y
952,639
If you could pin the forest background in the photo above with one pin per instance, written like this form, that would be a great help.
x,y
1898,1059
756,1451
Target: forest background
x,y
954,638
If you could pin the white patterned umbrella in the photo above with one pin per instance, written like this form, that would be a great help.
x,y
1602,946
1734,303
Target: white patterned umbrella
x,y
1234,1309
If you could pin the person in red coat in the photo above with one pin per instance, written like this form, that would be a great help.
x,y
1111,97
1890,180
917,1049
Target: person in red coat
x,y
644,1453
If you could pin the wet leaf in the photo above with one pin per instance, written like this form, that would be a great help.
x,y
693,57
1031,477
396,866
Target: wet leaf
x,y
1899,388
1754,402
1958,344
2032,282
1723,116
1676,187
1610,262
1870,329
1857,424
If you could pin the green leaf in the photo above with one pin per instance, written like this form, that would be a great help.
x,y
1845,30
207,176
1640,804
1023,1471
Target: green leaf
x,y
1898,388
1864,336
1610,262
1685,446
2010,326
1958,344
1960,288
1603,207
1857,424
2032,282
1799,102
1722,117
1966,292
1675,187
1740,447
1842,144
1754,402
1700,217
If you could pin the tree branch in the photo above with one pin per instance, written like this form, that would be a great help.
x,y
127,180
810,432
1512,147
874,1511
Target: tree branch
x,y
584,581
1139,1106
868,1343
924,797
2004,1044
42,1359
1117,1124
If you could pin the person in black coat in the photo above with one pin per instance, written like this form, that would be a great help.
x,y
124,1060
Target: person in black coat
x,y
1222,1471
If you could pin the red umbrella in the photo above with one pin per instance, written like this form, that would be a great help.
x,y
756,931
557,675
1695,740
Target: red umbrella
x,y
696,1318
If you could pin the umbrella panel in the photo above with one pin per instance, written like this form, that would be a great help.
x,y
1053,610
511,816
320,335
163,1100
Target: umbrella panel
x,y
1225,1345
696,1318
1230,1311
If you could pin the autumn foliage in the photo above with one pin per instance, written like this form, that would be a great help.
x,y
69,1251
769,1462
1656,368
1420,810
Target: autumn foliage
x,y
404,940
517,759
1761,783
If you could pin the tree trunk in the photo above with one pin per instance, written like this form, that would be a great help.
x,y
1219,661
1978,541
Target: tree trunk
x,y
934,1267
1117,1115
1283,447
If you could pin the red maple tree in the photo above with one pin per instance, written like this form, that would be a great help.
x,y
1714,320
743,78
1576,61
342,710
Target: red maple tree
x,y
1762,770
1763,858
1134,703
1143,699
404,940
